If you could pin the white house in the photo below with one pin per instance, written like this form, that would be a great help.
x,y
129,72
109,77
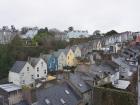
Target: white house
x,y
22,73
125,69
76,50
77,34
30,33
61,57
39,66
121,84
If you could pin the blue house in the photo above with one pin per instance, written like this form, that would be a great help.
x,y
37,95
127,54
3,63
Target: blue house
x,y
52,62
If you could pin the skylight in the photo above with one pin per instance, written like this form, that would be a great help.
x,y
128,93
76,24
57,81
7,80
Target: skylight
x,y
80,85
47,101
67,92
62,101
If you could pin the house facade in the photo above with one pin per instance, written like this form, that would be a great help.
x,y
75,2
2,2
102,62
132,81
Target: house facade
x,y
70,57
52,62
125,69
76,50
22,73
39,66
61,58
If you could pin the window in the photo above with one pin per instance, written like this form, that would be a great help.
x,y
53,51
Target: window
x,y
54,60
27,68
45,72
32,76
41,63
23,82
22,74
50,65
37,75
80,85
37,69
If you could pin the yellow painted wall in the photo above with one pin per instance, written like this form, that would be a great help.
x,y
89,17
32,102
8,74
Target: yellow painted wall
x,y
70,58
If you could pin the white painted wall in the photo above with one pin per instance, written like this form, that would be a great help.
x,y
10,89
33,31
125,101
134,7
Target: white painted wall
x,y
77,52
61,61
14,77
27,75
40,69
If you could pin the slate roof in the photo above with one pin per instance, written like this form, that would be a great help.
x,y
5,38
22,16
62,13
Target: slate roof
x,y
18,66
74,48
57,92
22,103
57,53
66,51
80,46
33,61
102,68
46,57
79,83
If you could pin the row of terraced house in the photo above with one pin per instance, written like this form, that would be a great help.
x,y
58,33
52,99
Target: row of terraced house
x,y
28,73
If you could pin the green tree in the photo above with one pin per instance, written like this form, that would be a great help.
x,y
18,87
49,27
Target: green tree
x,y
112,32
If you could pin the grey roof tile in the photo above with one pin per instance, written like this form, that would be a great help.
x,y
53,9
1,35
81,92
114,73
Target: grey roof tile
x,y
79,83
33,61
55,93
18,66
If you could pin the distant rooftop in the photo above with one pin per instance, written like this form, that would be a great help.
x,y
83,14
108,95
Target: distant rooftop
x,y
58,95
9,87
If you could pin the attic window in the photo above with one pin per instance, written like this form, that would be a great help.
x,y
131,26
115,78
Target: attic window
x,y
80,85
47,101
62,101
67,92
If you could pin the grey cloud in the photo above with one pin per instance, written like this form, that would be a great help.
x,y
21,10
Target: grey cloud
x,y
90,15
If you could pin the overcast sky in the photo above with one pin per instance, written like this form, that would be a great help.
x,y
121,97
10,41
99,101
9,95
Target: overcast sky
x,y
120,15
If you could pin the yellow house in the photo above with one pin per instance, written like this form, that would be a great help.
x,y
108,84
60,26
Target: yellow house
x,y
70,57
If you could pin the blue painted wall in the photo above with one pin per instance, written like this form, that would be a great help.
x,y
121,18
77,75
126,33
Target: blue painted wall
x,y
52,63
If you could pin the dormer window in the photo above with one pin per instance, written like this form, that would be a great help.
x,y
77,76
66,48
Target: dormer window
x,y
80,85
47,101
